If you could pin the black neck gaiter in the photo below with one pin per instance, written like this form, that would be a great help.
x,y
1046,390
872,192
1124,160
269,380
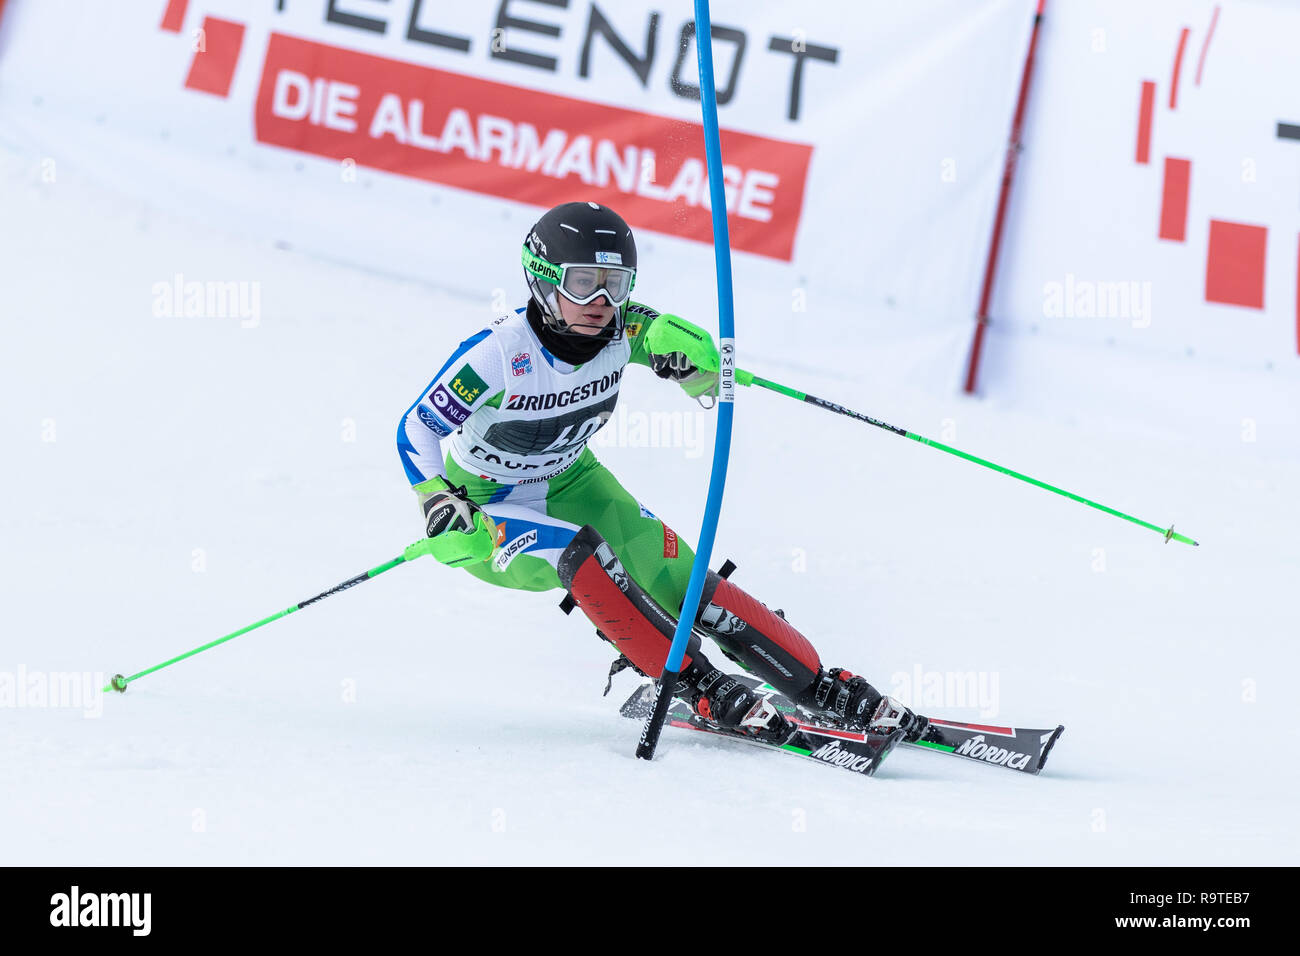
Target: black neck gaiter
x,y
572,347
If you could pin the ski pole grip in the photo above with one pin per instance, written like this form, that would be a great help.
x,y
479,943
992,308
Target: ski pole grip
x,y
744,378
645,749
418,549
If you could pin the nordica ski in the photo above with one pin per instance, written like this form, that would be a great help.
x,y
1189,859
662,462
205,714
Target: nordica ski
x,y
1016,748
856,752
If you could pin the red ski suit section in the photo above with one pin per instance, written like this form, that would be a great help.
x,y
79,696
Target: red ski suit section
x,y
776,629
621,619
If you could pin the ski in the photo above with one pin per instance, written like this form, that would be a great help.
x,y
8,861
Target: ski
x,y
856,752
1016,748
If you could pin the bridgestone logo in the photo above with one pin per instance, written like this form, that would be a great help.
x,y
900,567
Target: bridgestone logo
x,y
832,753
977,749
541,403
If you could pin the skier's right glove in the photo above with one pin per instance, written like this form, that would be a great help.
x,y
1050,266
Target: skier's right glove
x,y
461,531
684,353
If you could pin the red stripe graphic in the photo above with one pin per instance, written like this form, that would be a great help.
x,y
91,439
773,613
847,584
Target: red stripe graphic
x,y
1200,62
526,145
826,731
174,16
1145,113
1173,204
1002,731
213,66
1178,68
1234,267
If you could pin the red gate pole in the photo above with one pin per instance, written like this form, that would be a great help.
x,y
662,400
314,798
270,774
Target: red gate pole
x,y
1008,173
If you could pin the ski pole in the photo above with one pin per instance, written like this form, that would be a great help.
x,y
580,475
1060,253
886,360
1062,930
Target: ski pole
x,y
119,683
749,378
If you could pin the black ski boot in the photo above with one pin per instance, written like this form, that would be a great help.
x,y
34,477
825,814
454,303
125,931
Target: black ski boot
x,y
717,697
730,703
854,704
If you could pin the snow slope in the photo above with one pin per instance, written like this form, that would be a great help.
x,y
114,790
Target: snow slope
x,y
170,479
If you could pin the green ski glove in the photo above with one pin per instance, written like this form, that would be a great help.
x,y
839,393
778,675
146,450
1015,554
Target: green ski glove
x,y
685,353
459,531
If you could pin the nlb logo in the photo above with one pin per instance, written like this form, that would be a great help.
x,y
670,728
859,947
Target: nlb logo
x,y
454,410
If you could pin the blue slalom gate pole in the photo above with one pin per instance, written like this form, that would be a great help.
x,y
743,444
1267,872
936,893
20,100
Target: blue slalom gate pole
x,y
726,387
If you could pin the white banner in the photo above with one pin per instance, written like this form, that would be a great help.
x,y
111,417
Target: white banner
x,y
863,142
1157,206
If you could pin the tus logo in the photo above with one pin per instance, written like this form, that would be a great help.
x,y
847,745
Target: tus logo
x,y
468,385
102,909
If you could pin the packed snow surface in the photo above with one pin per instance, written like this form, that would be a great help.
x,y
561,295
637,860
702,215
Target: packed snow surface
x,y
169,479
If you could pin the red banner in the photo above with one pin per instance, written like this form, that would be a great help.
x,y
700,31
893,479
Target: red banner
x,y
526,145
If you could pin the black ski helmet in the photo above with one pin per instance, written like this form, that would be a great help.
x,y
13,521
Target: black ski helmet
x,y
581,234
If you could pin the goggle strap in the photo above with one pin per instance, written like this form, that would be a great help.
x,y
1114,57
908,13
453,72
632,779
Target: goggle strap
x,y
539,267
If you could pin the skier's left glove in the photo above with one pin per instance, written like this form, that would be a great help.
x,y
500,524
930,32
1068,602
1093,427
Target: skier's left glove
x,y
684,353
460,532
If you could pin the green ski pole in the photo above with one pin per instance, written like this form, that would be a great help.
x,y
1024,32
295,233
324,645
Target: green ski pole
x,y
749,378
119,683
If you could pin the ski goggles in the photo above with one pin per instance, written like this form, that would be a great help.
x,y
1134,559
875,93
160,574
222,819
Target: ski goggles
x,y
582,283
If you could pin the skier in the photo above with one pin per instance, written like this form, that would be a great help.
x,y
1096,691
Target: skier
x,y
520,501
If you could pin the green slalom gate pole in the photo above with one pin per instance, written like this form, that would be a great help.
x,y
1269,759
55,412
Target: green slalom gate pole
x,y
119,683
749,379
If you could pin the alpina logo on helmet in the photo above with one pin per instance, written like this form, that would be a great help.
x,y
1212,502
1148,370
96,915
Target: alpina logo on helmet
x,y
543,269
